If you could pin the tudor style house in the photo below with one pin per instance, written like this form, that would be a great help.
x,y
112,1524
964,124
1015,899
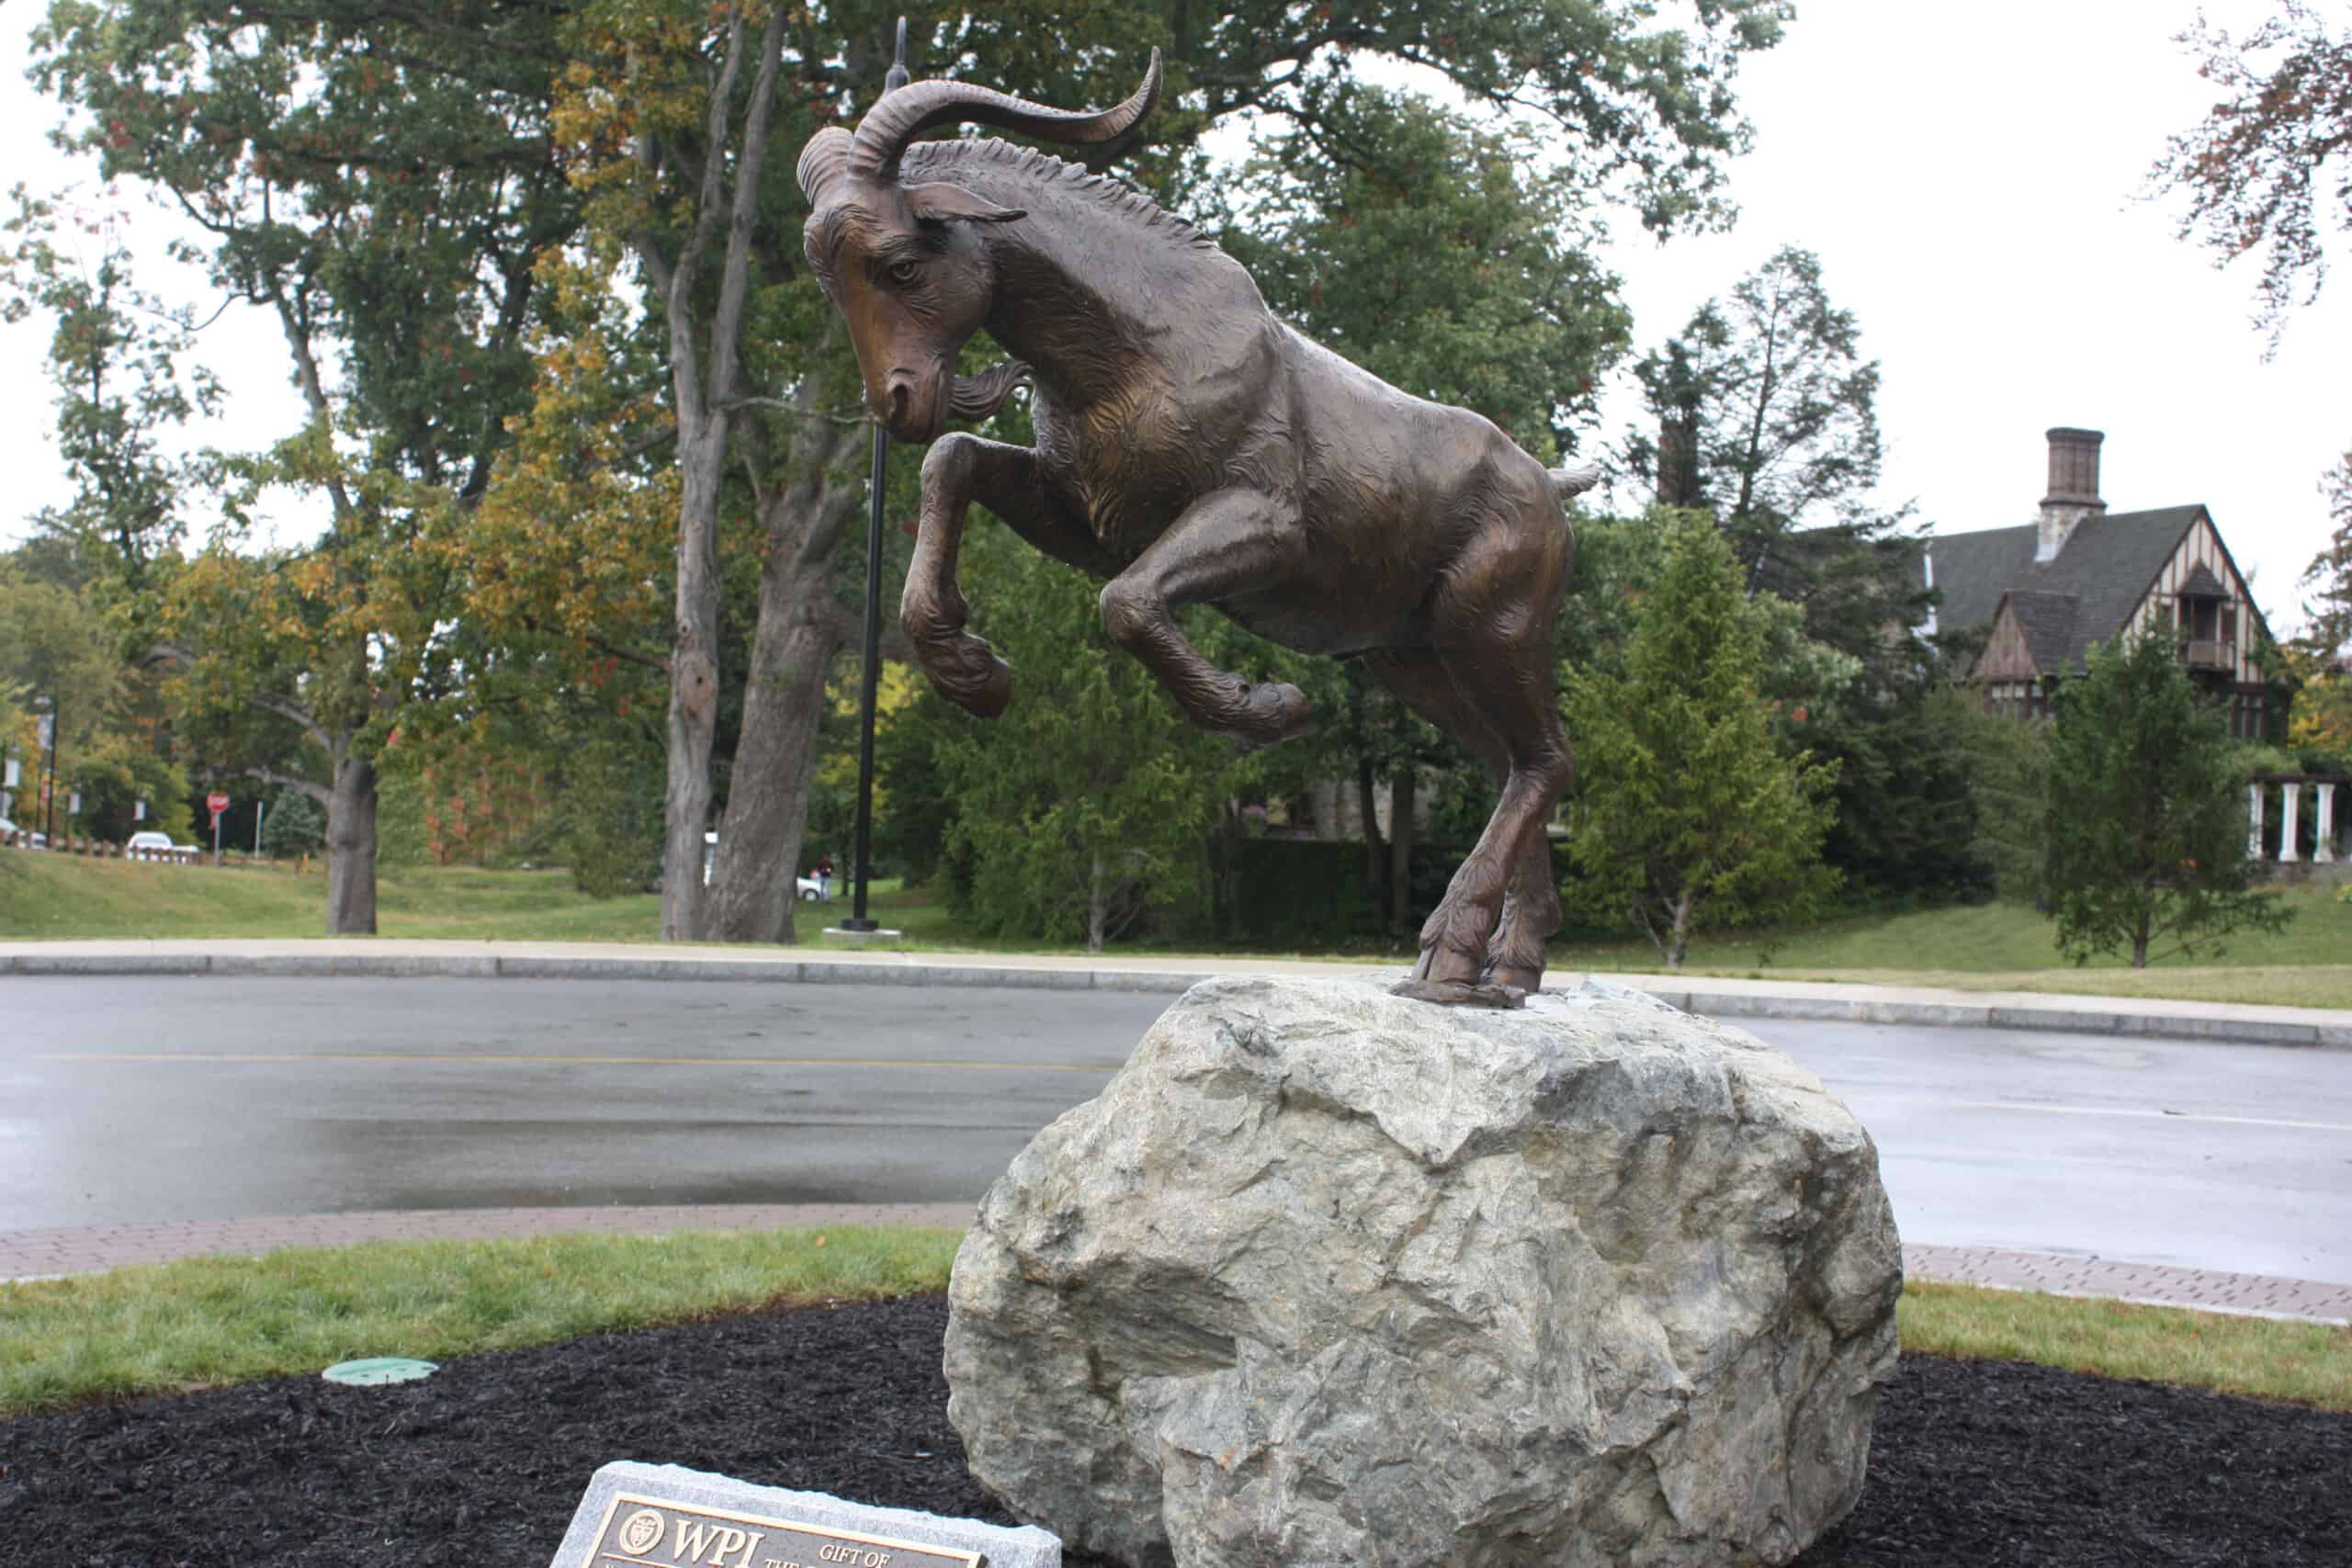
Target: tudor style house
x,y
2080,574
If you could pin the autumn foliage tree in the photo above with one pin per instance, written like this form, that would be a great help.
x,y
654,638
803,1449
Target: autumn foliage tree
x,y
2269,167
400,193
376,185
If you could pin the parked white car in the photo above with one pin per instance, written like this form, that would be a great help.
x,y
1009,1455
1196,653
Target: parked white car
x,y
9,829
139,845
809,889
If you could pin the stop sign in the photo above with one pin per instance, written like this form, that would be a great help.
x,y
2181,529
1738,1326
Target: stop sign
x,y
217,802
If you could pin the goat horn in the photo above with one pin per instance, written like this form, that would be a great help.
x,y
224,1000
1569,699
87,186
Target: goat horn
x,y
897,117
821,163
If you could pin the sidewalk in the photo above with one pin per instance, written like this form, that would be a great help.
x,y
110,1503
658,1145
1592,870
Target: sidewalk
x,y
36,1254
2323,1027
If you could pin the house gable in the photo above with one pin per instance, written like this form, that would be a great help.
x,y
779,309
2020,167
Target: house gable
x,y
2008,654
2102,577
2223,638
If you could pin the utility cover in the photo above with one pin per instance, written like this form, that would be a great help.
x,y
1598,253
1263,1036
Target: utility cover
x,y
380,1370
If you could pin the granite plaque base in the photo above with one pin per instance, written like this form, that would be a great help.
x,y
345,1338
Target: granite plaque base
x,y
661,1516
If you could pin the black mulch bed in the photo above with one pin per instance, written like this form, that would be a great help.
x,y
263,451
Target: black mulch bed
x,y
1974,1463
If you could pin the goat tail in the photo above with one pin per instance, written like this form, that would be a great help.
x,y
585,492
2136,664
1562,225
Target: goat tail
x,y
1567,482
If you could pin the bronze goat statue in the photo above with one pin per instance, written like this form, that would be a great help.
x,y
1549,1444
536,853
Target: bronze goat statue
x,y
1193,449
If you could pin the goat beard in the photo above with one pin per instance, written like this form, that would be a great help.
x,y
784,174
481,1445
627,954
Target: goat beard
x,y
977,397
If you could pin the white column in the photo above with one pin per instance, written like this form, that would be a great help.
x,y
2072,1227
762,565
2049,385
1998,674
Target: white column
x,y
2327,850
2253,821
2290,794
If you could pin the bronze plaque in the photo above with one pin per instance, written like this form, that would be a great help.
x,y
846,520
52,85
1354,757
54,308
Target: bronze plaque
x,y
653,1532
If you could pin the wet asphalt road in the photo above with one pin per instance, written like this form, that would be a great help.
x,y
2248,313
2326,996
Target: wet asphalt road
x,y
127,1101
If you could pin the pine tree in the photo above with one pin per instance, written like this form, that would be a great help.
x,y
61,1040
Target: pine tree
x,y
294,826
1688,811
1088,803
2147,813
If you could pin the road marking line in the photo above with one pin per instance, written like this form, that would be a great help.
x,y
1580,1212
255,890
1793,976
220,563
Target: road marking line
x,y
2151,1115
487,1059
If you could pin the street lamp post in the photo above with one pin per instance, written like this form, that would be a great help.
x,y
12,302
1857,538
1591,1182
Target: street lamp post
x,y
863,869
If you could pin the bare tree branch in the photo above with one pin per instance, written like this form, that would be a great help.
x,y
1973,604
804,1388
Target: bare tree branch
x,y
734,283
652,661
317,792
286,708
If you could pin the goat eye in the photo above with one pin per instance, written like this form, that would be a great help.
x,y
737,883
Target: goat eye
x,y
905,272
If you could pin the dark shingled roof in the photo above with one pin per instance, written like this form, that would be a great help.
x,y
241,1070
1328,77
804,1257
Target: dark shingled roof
x,y
2048,621
2201,583
1973,571
2103,572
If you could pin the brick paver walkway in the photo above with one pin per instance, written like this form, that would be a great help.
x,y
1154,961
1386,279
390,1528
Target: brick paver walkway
x,y
31,1254
2209,1289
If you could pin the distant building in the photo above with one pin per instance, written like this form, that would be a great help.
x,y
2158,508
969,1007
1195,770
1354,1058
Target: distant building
x,y
2079,574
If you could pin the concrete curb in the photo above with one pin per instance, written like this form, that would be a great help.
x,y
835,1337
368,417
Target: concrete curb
x,y
2058,1018
1855,1004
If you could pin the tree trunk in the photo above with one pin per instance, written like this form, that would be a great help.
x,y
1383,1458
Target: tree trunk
x,y
1375,852
351,849
694,688
1679,938
2139,947
751,897
800,629
1400,851
706,373
1098,905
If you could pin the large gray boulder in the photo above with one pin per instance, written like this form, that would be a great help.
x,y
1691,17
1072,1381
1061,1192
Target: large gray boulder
x,y
1326,1277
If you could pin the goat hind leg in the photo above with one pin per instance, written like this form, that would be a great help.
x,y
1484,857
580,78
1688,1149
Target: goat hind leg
x,y
1491,632
1529,905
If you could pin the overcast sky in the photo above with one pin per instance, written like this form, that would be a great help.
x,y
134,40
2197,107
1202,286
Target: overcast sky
x,y
1969,175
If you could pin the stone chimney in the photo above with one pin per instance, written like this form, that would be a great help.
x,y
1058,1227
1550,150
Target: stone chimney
x,y
2074,488
1678,461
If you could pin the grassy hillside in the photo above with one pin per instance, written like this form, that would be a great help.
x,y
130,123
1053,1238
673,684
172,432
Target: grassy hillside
x,y
69,896
2005,947
1983,947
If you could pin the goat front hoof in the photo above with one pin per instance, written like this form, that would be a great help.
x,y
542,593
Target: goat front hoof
x,y
1272,712
967,673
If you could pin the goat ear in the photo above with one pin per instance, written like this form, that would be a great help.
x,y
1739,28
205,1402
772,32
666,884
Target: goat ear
x,y
943,203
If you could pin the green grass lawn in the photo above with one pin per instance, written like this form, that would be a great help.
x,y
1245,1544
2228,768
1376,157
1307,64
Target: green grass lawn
x,y
73,896
1978,947
205,1321
2005,947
